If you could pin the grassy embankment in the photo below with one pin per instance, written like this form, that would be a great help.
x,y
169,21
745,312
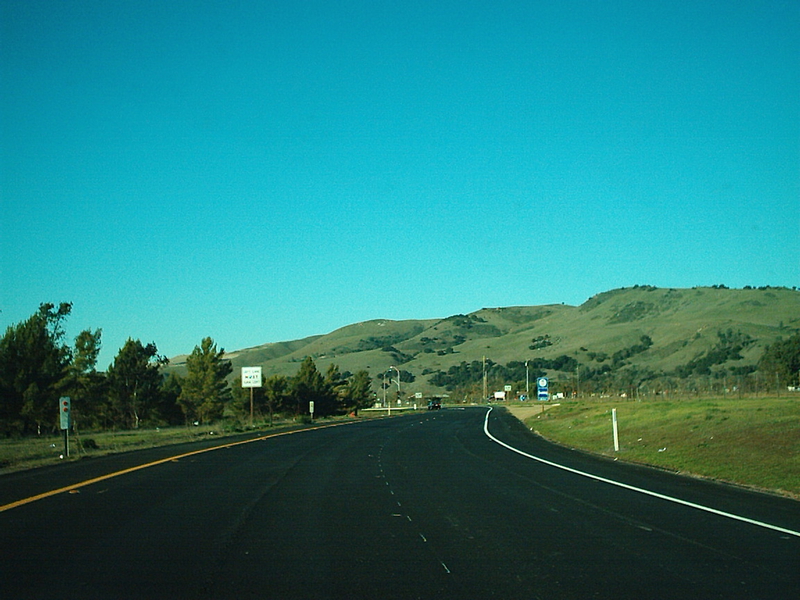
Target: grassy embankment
x,y
753,442
32,452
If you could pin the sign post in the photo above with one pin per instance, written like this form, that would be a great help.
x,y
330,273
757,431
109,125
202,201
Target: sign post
x,y
64,406
251,378
542,385
311,409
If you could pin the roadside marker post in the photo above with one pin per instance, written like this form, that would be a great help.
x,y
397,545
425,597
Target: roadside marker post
x,y
64,407
616,429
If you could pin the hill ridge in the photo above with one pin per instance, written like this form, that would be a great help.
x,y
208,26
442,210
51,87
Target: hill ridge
x,y
619,338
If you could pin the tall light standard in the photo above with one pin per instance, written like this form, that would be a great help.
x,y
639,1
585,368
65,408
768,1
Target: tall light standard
x,y
398,383
527,383
485,387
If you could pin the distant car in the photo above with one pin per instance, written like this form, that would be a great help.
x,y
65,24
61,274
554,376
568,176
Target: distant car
x,y
434,404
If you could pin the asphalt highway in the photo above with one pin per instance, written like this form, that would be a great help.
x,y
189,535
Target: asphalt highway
x,y
418,506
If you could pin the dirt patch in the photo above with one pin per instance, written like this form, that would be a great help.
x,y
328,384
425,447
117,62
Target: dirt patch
x,y
525,412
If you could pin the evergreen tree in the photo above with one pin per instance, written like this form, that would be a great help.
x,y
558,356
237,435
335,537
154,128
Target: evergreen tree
x,y
332,398
358,393
276,393
782,359
85,385
169,410
205,391
33,362
134,380
308,386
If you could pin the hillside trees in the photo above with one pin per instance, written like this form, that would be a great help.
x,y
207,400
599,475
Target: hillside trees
x,y
728,348
204,390
37,366
466,375
782,360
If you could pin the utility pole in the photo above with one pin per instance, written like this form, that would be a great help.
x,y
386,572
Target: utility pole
x,y
485,389
398,383
527,383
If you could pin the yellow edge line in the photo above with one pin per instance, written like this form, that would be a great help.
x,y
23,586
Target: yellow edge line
x,y
81,484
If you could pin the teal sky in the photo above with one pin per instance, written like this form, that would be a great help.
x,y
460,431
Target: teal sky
x,y
264,171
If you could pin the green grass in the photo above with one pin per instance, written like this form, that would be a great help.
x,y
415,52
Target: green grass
x,y
753,442
32,452
682,323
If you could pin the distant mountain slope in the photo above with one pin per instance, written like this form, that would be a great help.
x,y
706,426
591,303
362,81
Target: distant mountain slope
x,y
630,334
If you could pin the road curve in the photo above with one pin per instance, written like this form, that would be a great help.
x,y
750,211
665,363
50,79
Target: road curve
x,y
418,506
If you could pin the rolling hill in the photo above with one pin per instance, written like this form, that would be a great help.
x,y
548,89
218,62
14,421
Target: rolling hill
x,y
645,337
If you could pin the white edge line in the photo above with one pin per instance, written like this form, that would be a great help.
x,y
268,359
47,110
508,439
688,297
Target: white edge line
x,y
634,488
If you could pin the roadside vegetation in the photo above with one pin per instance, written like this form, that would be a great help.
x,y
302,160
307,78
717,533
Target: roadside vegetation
x,y
747,441
38,367
20,453
641,343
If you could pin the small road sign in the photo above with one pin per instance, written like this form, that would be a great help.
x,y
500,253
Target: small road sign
x,y
542,385
251,377
64,411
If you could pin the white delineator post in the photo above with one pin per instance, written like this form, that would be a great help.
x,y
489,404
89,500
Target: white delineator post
x,y
616,429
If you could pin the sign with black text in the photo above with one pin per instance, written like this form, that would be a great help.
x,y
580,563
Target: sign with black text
x,y
251,377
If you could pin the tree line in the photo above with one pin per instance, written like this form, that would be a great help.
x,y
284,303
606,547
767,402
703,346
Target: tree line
x,y
38,366
778,368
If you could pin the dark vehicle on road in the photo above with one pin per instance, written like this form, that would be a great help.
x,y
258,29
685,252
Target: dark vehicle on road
x,y
434,404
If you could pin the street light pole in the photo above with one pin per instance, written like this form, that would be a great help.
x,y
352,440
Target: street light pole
x,y
485,390
527,383
398,383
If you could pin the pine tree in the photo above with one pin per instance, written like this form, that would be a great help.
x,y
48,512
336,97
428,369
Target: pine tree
x,y
134,380
205,390
33,363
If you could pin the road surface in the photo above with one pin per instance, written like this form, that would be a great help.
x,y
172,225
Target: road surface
x,y
416,506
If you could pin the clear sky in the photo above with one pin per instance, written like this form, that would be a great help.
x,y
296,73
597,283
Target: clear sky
x,y
259,171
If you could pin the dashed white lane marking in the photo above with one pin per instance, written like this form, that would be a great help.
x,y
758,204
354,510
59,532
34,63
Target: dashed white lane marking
x,y
634,488
399,504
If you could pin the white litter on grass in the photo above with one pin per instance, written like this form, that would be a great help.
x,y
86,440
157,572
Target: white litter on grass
x,y
664,449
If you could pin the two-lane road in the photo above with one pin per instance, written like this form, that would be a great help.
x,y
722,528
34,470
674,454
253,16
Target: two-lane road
x,y
419,506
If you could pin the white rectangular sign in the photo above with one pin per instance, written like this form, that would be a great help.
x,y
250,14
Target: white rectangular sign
x,y
251,377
